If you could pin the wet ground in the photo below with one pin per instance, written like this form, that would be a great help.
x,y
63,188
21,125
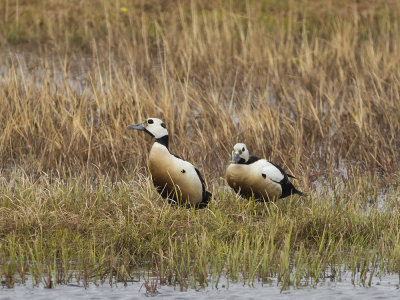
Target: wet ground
x,y
385,287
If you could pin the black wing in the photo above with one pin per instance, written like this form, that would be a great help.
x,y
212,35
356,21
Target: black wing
x,y
206,195
287,187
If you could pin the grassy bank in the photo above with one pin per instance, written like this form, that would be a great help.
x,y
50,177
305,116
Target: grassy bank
x,y
314,86
78,230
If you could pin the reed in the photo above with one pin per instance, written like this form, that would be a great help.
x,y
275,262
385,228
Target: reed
x,y
311,87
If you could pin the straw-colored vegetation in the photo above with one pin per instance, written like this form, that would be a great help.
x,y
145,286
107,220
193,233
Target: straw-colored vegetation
x,y
314,86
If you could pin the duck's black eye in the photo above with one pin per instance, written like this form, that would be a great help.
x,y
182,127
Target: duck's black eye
x,y
163,125
243,149
150,121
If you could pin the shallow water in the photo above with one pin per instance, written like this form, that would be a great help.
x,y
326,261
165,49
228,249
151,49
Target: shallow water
x,y
386,287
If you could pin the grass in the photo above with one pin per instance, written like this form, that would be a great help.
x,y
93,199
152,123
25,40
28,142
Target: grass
x,y
79,230
312,86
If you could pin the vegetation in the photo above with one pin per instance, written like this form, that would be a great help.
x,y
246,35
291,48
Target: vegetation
x,y
62,231
314,86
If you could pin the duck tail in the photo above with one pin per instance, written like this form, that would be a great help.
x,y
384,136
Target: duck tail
x,y
206,199
296,191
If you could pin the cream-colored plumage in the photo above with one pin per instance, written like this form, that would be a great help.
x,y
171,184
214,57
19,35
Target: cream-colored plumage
x,y
251,176
247,180
174,178
174,175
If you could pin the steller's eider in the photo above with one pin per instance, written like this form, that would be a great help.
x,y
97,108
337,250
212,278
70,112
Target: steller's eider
x,y
174,178
260,178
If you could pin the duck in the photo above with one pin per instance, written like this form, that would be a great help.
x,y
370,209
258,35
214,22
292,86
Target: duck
x,y
251,176
175,179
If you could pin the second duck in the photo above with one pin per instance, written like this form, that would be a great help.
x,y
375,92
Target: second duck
x,y
260,178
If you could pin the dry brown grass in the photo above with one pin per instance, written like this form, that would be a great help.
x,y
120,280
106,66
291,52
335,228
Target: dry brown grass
x,y
309,87
313,86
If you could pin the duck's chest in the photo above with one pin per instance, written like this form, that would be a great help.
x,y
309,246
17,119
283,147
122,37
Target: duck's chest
x,y
239,177
162,164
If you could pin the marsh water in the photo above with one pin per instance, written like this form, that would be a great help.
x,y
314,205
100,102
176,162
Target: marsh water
x,y
382,287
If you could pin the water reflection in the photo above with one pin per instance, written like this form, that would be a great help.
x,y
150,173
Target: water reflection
x,y
383,287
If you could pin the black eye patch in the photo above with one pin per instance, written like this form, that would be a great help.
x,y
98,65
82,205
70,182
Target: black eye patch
x,y
243,149
150,121
163,125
